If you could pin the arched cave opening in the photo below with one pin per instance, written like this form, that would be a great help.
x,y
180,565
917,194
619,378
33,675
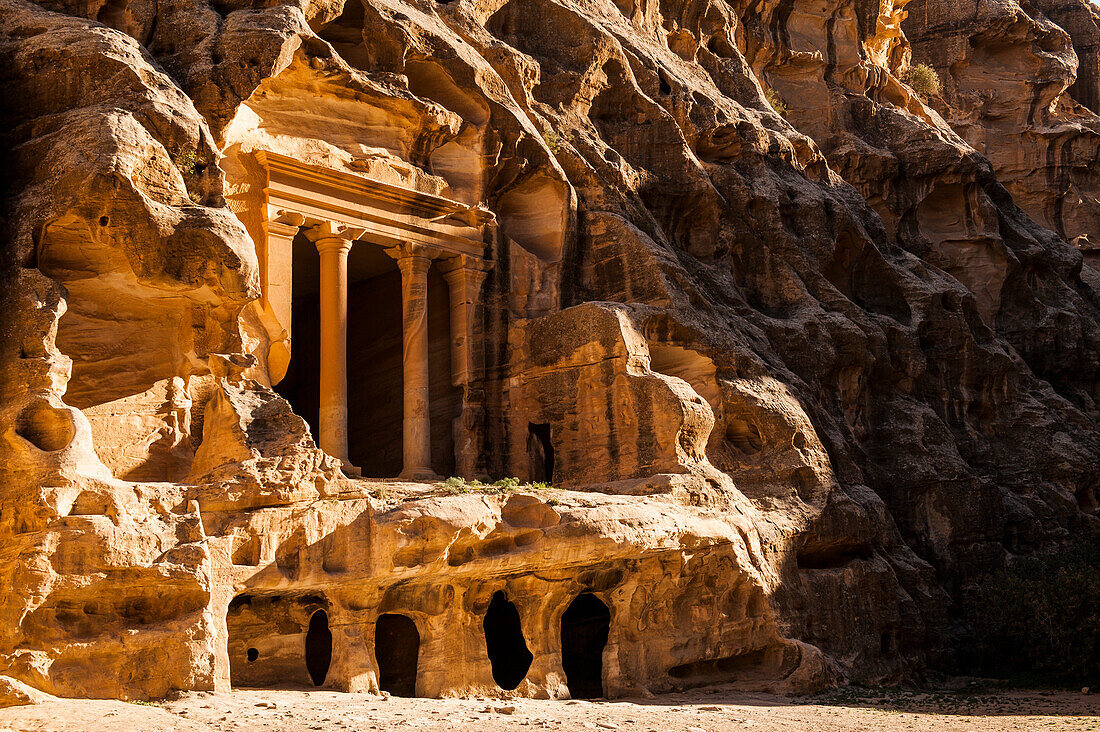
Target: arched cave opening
x,y
540,451
278,640
318,647
374,358
397,651
585,625
504,641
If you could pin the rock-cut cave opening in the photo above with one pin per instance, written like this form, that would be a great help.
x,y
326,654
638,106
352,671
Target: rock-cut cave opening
x,y
585,625
318,647
397,651
508,652
277,640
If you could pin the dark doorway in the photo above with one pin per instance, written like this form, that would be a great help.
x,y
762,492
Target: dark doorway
x,y
504,641
300,385
318,647
540,451
584,628
396,649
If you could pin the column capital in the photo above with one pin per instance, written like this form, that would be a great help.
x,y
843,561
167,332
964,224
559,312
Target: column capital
x,y
413,251
332,236
328,244
280,229
286,216
460,263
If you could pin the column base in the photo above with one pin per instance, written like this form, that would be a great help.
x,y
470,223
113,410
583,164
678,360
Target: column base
x,y
418,475
350,470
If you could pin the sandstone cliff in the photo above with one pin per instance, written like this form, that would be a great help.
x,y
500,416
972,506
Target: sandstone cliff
x,y
803,375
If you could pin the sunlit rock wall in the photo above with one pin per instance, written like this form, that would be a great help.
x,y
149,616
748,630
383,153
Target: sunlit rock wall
x,y
805,375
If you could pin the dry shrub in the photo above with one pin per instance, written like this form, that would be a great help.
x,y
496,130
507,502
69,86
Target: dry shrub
x,y
924,80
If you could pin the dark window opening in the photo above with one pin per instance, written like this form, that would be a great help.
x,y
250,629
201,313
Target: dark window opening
x,y
585,625
396,649
318,647
540,450
253,654
508,653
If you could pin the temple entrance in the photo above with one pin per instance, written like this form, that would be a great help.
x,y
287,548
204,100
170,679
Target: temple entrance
x,y
318,647
374,358
585,625
397,651
508,653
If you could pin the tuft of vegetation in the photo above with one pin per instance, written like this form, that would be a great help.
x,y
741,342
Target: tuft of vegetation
x,y
1039,619
381,493
552,141
187,162
924,80
771,96
455,485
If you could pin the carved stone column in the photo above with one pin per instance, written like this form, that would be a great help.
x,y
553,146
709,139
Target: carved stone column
x,y
332,418
276,262
414,262
464,275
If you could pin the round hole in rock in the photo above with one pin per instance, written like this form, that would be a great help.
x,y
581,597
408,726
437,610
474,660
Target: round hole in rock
x,y
47,428
508,653
584,628
396,649
252,654
318,647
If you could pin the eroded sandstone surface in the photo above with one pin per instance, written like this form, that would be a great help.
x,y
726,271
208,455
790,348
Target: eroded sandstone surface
x,y
774,387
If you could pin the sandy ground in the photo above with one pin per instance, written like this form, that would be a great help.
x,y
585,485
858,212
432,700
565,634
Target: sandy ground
x,y
715,709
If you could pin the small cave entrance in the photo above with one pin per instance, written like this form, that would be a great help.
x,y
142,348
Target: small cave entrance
x,y
508,652
318,647
279,640
585,625
397,651
540,452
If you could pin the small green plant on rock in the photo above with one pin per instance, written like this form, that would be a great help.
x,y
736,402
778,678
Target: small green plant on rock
x,y
771,96
455,485
552,141
924,80
186,161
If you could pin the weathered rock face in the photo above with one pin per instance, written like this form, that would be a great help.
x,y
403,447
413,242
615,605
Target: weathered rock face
x,y
795,379
1006,71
